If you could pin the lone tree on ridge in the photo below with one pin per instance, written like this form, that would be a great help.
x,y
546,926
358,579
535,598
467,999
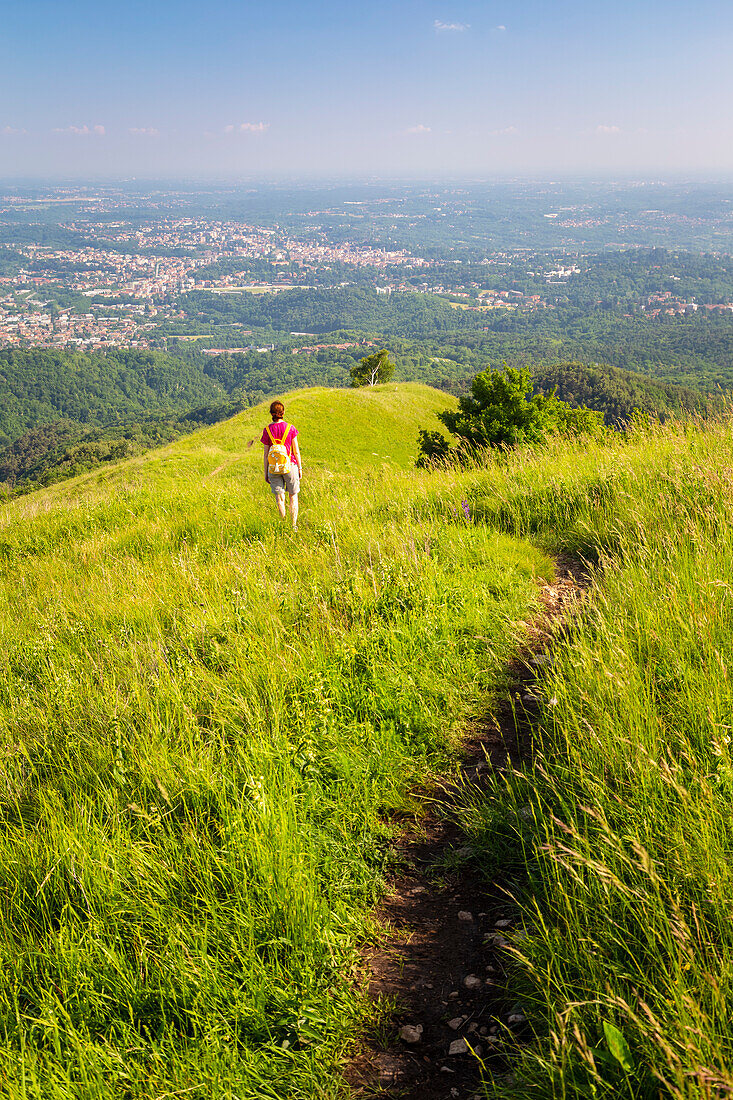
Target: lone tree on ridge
x,y
372,369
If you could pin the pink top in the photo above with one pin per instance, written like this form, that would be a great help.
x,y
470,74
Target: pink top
x,y
278,432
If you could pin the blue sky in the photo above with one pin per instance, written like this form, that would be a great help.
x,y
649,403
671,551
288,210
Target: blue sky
x,y
408,87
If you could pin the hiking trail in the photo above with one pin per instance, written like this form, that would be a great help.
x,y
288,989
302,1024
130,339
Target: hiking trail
x,y
440,960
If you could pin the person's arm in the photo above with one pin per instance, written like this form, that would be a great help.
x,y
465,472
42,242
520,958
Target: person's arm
x,y
267,451
296,452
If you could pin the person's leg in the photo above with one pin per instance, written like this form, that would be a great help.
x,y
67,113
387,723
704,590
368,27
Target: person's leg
x,y
280,501
294,509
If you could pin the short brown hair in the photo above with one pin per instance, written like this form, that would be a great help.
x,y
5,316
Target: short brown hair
x,y
277,410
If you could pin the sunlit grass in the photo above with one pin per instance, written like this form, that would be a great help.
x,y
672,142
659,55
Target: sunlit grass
x,y
623,822
207,725
211,728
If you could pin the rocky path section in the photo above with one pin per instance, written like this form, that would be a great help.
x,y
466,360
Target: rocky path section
x,y
441,960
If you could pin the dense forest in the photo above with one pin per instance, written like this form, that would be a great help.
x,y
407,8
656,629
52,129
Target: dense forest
x,y
39,385
618,394
694,350
325,310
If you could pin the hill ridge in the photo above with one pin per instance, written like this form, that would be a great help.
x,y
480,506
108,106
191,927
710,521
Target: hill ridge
x,y
379,424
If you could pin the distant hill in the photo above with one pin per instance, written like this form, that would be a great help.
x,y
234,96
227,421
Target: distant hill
x,y
39,385
618,393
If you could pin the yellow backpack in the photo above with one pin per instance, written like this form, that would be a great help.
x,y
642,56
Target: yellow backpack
x,y
278,458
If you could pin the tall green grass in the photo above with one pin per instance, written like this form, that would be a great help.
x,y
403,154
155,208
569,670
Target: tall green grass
x,y
208,726
623,822
211,728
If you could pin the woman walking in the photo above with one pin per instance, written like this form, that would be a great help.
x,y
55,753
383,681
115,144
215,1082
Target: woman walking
x,y
283,467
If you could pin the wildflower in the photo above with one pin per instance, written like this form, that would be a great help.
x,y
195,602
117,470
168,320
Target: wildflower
x,y
466,509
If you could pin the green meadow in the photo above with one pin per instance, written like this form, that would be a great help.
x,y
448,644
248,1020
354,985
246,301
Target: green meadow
x,y
617,838
213,728
210,730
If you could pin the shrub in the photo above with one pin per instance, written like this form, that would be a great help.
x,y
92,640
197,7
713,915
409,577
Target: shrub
x,y
501,411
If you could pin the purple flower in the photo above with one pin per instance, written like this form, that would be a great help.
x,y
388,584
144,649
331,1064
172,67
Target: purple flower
x,y
466,509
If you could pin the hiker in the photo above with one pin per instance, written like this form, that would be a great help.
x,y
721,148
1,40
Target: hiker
x,y
283,467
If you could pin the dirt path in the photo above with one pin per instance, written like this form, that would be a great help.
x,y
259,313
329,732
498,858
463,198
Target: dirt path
x,y
441,959
218,470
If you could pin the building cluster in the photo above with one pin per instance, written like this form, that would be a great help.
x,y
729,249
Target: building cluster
x,y
665,303
305,254
237,351
309,349
49,327
103,272
132,273
561,272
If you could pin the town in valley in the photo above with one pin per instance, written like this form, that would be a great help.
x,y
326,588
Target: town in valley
x,y
102,269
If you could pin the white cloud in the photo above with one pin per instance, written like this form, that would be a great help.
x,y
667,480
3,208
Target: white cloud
x,y
603,129
419,129
10,131
81,131
144,131
506,130
501,27
247,128
439,25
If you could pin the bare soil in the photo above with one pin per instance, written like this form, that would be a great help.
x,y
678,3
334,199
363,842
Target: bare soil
x,y
440,960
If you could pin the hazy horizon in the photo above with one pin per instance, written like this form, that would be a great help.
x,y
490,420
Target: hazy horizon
x,y
410,89
314,181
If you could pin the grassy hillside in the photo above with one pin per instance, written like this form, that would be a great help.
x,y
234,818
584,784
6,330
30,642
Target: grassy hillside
x,y
206,728
341,432
339,429
619,832
210,729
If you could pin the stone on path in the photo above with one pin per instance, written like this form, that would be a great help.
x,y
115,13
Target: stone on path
x,y
411,1033
458,1046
